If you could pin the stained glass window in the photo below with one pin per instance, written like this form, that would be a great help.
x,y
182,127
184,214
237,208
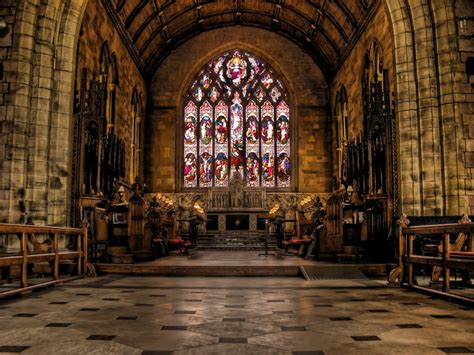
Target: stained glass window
x,y
236,122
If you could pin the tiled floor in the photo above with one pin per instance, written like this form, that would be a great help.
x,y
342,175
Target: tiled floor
x,y
153,315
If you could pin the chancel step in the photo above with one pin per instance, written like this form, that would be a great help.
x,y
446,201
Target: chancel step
x,y
234,241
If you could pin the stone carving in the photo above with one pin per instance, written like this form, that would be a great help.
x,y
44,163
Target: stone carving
x,y
464,219
237,192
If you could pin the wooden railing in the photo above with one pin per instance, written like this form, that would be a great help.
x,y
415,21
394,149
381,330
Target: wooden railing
x,y
52,254
449,256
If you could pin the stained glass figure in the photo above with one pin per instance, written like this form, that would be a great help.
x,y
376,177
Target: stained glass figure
x,y
220,168
275,94
283,167
198,94
190,169
189,130
236,120
205,173
253,168
236,68
206,81
283,130
267,169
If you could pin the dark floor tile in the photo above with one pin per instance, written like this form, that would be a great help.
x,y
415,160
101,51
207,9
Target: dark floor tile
x,y
126,318
3,307
185,312
378,311
144,305
282,312
456,350
89,309
58,302
274,301
366,338
83,294
339,318
323,305
25,314
192,300
58,325
233,319
233,340
157,352
234,296
127,291
157,295
341,291
110,299
293,329
410,303
314,352
174,327
12,348
234,306
315,296
442,316
465,308
409,326
356,300
100,337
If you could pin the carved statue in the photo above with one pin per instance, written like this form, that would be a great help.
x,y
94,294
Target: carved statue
x,y
237,192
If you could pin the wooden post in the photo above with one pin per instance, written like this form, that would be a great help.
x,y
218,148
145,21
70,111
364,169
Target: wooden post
x,y
397,275
79,258
56,256
85,247
411,238
446,248
24,266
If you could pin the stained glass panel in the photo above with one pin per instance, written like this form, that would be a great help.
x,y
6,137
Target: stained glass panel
x,y
221,135
283,144
253,145
243,125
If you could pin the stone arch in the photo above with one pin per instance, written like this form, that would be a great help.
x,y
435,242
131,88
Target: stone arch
x,y
166,102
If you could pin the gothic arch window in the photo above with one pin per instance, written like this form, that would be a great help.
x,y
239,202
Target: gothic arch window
x,y
236,122
377,113
109,79
136,134
341,127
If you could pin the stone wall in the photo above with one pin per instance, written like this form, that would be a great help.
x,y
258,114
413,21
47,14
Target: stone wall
x,y
464,12
36,111
129,77
308,96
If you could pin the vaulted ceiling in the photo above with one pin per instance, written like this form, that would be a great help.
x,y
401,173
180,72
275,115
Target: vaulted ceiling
x,y
326,29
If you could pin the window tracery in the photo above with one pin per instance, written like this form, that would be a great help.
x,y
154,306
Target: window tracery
x,y
237,122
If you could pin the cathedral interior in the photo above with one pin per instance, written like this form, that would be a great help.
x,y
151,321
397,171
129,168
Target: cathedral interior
x,y
236,176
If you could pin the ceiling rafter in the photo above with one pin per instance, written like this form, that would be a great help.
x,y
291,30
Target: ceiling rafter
x,y
253,12
328,34
192,7
134,13
331,19
163,52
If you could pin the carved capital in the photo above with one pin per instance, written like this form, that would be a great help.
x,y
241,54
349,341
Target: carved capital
x,y
464,219
403,221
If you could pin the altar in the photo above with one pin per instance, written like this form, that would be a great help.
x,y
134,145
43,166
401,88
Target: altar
x,y
237,208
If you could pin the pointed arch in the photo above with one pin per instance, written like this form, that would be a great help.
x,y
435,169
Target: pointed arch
x,y
243,126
